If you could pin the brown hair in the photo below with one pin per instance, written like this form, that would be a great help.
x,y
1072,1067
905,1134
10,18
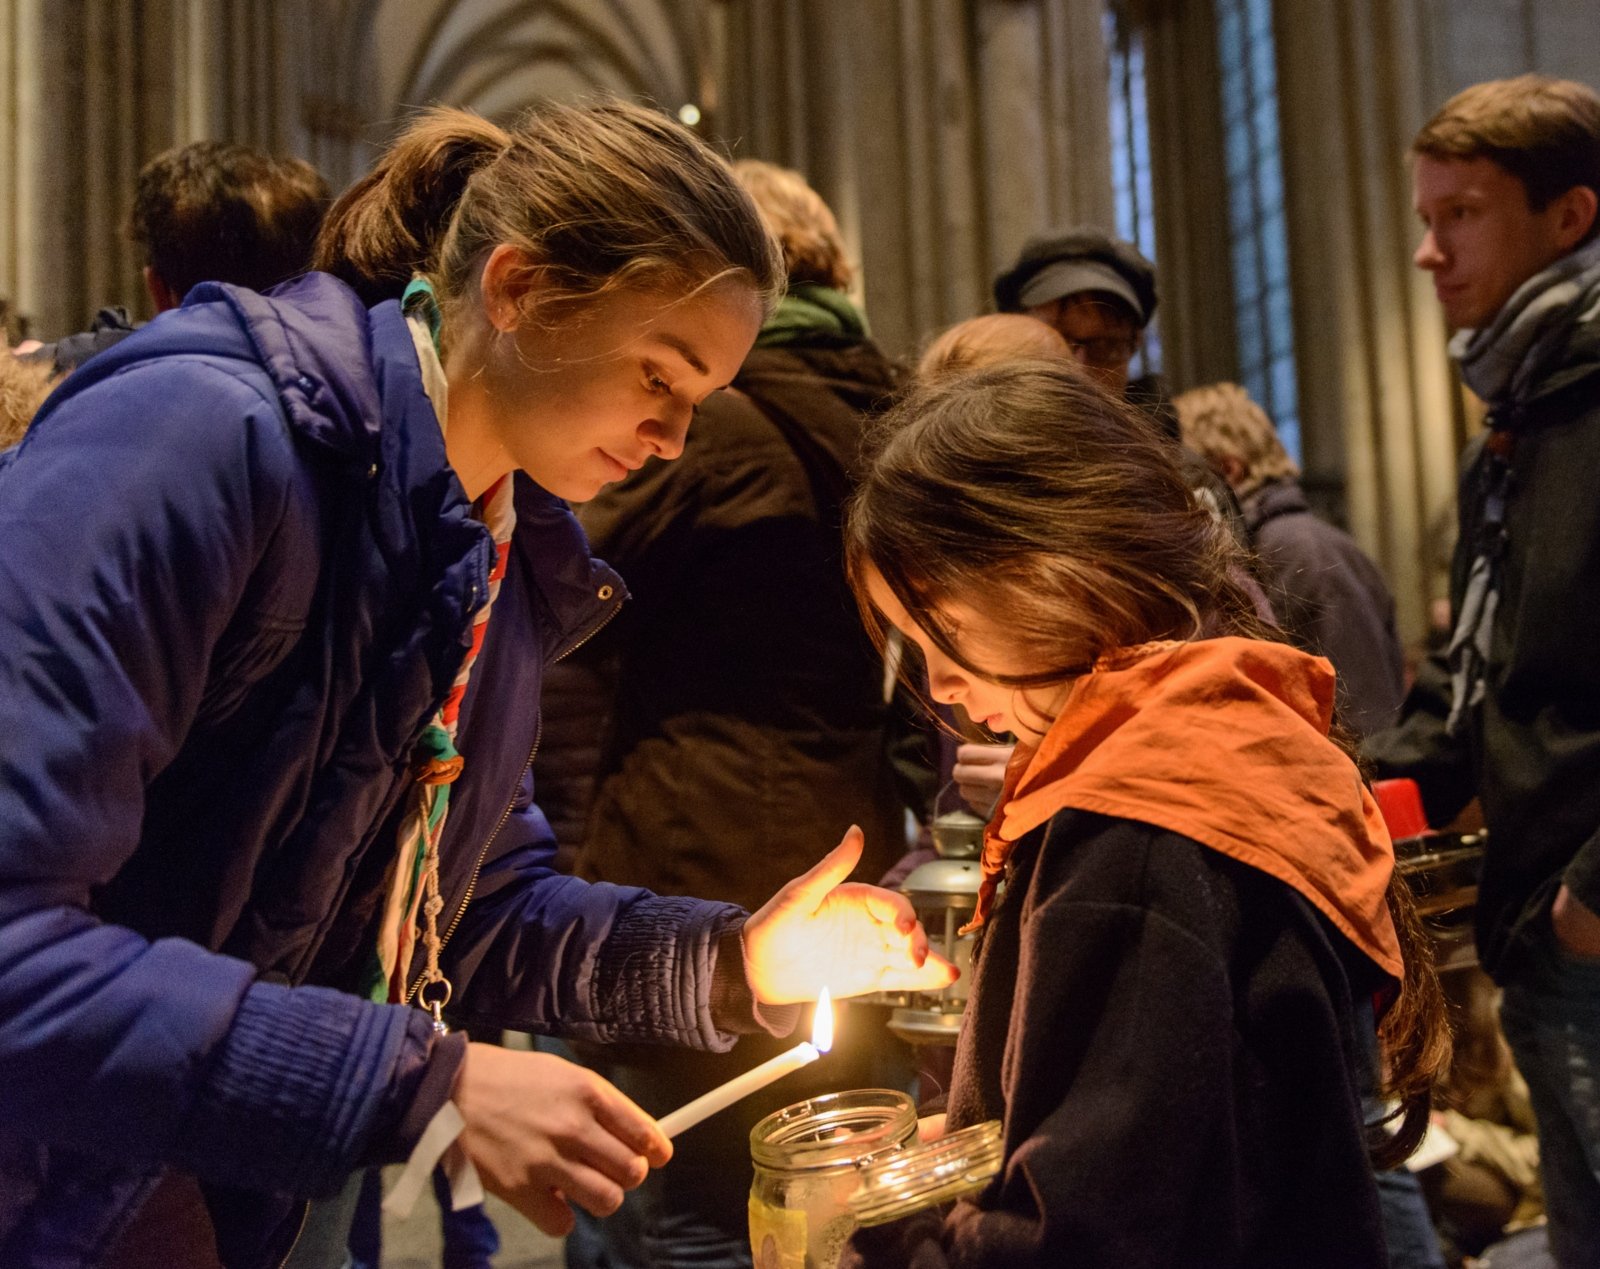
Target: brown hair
x,y
992,340
1545,132
218,212
804,225
1221,421
600,197
1031,486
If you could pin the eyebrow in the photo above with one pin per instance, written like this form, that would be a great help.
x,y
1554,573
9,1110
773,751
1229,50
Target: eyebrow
x,y
683,350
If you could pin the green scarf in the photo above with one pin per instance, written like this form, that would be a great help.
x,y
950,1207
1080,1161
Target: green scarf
x,y
813,313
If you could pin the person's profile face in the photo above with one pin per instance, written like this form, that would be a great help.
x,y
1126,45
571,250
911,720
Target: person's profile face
x,y
1101,334
580,404
1481,237
1024,712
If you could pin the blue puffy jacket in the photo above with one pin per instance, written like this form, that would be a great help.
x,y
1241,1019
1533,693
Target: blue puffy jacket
x,y
236,578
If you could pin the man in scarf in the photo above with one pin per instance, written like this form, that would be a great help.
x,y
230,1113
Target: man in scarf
x,y
1505,181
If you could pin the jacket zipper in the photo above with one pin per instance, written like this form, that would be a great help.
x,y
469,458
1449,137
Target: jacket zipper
x,y
472,881
305,1217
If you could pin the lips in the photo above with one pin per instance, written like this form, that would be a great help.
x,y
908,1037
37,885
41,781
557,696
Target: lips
x,y
623,467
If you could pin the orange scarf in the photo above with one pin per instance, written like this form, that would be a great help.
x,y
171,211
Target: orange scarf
x,y
1224,741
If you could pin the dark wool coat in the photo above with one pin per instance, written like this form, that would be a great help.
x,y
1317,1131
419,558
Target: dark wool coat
x,y
749,728
1176,1045
1331,599
1531,751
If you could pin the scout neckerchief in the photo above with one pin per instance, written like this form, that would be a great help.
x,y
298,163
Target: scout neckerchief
x,y
414,881
1224,741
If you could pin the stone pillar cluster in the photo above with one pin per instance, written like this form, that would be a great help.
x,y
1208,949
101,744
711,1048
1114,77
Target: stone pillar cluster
x,y
942,132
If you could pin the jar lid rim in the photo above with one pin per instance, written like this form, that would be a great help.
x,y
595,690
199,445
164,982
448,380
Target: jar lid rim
x,y
923,1175
833,1129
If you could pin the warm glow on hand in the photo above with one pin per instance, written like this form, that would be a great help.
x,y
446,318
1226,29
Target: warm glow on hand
x,y
819,932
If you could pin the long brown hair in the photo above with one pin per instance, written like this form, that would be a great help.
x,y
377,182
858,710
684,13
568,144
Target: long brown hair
x,y
1030,486
600,198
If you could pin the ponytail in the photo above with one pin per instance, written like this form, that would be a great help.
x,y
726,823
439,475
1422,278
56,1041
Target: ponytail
x,y
597,197
388,225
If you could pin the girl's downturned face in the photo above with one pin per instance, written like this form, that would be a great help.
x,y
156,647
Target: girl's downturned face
x,y
1025,712
579,405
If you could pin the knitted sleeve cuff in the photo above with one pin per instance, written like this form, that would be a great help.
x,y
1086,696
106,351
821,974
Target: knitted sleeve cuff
x,y
734,1007
299,1087
411,1114
657,976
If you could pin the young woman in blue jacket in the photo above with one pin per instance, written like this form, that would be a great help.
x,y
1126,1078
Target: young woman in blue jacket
x,y
280,578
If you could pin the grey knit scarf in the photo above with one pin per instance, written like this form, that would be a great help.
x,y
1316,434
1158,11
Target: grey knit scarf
x,y
1544,337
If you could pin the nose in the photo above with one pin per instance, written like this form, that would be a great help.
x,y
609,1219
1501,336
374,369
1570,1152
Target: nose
x,y
665,434
945,685
1428,255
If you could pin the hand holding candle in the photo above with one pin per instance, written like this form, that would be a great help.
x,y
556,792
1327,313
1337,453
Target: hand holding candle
x,y
803,1054
819,931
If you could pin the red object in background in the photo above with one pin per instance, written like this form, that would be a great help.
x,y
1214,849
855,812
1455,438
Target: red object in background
x,y
1400,801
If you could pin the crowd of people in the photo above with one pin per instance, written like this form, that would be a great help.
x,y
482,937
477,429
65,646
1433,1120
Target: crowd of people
x,y
479,603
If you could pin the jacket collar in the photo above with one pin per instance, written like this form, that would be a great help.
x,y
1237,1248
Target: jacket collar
x,y
1273,499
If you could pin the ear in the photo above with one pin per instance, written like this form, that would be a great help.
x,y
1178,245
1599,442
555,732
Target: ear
x,y
1231,468
510,277
162,296
1575,213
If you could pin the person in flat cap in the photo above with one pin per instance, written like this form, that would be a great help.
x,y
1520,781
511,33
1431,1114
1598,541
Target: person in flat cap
x,y
1099,293
1096,290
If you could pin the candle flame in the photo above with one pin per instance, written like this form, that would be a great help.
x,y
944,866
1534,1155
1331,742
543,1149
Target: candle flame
x,y
822,1024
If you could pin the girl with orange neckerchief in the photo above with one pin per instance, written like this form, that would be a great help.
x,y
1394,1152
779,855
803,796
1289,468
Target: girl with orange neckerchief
x,y
1192,942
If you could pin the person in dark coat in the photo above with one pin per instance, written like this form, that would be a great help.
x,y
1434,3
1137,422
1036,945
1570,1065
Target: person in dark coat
x,y
1506,180
748,713
278,591
1325,592
1188,903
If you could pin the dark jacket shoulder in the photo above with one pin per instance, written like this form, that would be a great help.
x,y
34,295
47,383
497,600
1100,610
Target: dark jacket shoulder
x,y
1170,1040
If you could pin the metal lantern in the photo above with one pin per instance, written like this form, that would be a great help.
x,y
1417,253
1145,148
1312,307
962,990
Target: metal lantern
x,y
944,892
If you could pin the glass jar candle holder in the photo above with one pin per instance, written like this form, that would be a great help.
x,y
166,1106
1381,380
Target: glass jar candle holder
x,y
807,1160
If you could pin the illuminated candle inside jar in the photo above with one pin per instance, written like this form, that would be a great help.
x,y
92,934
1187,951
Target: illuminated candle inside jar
x,y
720,1098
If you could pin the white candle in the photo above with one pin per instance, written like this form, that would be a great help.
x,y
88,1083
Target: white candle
x,y
723,1096
720,1098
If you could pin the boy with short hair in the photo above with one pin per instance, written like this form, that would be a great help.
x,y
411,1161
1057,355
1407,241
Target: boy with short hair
x,y
1506,179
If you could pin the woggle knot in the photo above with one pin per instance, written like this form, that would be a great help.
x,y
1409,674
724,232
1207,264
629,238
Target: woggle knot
x,y
438,770
434,906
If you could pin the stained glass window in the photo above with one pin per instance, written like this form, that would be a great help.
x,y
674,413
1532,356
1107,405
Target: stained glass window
x,y
1130,158
1260,248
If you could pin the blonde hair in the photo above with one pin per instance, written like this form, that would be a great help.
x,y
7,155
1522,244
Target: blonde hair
x,y
600,198
23,387
993,340
1220,421
807,233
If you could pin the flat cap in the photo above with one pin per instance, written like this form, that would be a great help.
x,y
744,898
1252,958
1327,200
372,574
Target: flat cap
x,y
1071,261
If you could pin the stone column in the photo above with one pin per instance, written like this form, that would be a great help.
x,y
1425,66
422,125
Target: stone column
x,y
92,91
1193,255
1378,408
942,132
